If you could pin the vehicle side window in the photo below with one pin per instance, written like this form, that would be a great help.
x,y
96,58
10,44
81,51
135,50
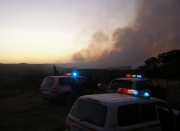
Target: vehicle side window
x,y
64,81
48,81
141,85
82,80
166,116
135,114
128,115
74,81
148,112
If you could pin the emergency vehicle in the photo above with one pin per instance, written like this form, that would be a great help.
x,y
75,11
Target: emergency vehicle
x,y
138,82
66,88
126,110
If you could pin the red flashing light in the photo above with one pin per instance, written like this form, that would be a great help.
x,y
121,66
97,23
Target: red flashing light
x,y
128,75
131,75
127,91
67,74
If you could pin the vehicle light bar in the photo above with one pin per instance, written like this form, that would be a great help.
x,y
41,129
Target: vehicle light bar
x,y
134,92
127,91
133,76
71,74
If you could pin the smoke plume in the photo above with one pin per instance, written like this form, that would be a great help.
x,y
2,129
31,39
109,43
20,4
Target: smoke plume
x,y
155,30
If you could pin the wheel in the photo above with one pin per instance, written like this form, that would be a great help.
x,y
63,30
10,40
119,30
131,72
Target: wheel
x,y
68,99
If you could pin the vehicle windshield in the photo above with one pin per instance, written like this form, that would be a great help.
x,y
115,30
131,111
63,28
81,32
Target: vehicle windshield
x,y
91,112
115,84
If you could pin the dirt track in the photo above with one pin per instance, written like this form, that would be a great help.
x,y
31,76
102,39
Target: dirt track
x,y
32,114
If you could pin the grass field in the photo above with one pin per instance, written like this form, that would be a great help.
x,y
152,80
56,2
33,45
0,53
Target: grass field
x,y
21,108
33,113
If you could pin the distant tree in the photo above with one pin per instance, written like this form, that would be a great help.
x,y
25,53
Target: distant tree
x,y
151,67
170,64
166,66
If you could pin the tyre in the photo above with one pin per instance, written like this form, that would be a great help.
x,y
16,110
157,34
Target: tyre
x,y
68,99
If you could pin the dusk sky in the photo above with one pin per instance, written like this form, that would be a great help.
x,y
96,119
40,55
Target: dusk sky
x,y
98,33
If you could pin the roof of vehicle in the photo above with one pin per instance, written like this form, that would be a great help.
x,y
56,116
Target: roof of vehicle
x,y
111,98
64,76
131,79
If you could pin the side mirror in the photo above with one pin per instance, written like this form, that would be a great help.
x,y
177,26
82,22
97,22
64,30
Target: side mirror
x,y
99,85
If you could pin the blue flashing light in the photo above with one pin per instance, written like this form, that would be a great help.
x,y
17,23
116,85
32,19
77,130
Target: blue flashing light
x,y
135,93
146,94
139,76
74,74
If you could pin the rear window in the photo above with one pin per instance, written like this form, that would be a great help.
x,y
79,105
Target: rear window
x,y
120,84
48,81
91,112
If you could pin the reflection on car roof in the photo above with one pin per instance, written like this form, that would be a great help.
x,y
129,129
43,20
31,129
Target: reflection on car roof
x,y
65,76
131,79
114,97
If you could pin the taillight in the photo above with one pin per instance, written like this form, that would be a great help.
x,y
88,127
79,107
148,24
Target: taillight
x,y
68,124
53,90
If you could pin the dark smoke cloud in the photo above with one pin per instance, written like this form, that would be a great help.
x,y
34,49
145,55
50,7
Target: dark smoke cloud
x,y
155,30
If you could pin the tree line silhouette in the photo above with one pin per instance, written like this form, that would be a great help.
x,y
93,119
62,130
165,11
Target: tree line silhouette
x,y
164,66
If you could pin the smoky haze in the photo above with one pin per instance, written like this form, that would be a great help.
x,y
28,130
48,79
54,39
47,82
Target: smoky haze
x,y
155,30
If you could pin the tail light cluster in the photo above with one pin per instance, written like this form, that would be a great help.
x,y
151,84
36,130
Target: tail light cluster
x,y
53,90
68,124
